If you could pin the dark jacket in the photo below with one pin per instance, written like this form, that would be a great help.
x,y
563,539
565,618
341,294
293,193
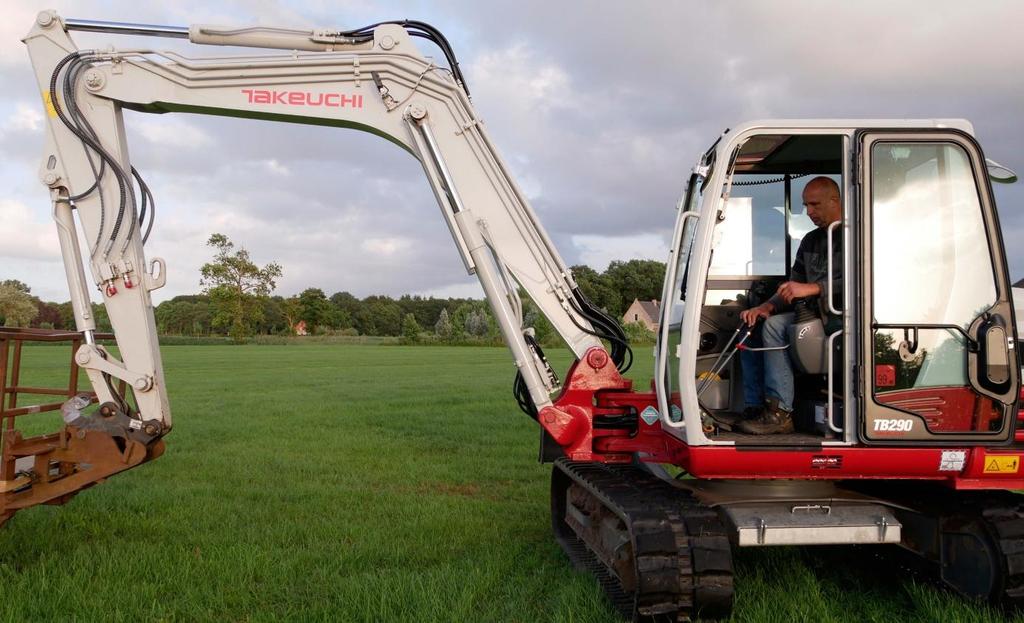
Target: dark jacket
x,y
811,266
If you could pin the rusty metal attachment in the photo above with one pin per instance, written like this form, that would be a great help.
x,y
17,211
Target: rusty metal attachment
x,y
52,468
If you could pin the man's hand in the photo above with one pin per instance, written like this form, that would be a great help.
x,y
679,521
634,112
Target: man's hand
x,y
796,290
751,316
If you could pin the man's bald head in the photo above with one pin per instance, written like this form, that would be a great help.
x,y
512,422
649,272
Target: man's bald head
x,y
821,198
826,184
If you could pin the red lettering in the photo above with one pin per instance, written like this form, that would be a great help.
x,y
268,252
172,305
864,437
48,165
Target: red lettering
x,y
302,98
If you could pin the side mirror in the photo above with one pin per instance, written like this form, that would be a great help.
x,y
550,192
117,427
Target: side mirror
x,y
999,173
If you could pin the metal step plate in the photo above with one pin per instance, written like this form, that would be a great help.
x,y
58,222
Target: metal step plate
x,y
788,523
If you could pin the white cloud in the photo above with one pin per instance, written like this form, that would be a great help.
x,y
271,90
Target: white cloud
x,y
599,113
465,290
25,118
386,247
276,168
23,236
524,81
598,251
167,132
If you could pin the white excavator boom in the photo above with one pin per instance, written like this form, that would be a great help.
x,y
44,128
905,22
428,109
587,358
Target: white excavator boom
x,y
374,80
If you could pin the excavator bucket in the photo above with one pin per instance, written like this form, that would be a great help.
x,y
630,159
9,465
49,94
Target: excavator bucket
x,y
51,468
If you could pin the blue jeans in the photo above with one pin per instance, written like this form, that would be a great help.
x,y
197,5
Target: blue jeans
x,y
769,373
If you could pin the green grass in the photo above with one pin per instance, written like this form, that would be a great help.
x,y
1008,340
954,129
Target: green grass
x,y
362,483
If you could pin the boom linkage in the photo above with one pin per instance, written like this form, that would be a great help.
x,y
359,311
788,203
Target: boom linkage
x,y
372,79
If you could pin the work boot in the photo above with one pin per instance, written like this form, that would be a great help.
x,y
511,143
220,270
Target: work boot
x,y
753,413
731,421
774,421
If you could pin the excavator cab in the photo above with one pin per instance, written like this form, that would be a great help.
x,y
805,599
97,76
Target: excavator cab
x,y
913,342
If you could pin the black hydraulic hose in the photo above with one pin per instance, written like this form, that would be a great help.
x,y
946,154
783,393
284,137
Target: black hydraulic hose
x,y
74,56
81,127
620,349
97,175
607,329
519,389
437,37
147,200
90,141
522,396
425,31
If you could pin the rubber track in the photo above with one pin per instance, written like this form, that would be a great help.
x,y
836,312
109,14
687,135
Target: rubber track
x,y
1005,519
682,553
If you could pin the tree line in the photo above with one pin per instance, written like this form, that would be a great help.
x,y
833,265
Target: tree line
x,y
236,301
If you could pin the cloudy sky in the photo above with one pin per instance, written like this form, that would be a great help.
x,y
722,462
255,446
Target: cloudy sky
x,y
600,108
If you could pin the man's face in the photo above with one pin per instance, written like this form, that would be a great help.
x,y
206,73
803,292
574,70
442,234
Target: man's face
x,y
822,205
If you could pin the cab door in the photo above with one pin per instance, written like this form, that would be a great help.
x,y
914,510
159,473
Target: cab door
x,y
936,323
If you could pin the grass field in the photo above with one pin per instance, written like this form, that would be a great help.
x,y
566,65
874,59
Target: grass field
x,y
363,483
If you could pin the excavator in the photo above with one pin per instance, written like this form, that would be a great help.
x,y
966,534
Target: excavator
x,y
907,378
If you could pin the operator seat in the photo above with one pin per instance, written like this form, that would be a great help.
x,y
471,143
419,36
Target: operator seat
x,y
807,339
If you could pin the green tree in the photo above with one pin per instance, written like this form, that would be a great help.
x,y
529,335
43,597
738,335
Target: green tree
x,y
314,308
20,286
100,318
186,314
595,287
16,304
637,333
476,323
49,315
345,307
473,318
291,309
410,328
236,285
443,326
379,315
542,329
273,317
67,315
635,279
170,317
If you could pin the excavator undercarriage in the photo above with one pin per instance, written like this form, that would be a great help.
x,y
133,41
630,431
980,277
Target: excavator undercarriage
x,y
662,548
658,552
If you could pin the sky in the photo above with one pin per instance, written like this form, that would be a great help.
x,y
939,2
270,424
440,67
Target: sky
x,y
600,109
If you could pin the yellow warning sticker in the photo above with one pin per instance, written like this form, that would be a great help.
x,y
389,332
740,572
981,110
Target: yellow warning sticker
x,y
1002,464
49,104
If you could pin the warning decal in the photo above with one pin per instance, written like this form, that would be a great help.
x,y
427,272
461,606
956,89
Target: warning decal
x,y
649,415
50,110
1004,464
952,460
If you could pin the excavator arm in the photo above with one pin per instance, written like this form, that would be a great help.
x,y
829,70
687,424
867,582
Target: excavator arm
x,y
372,79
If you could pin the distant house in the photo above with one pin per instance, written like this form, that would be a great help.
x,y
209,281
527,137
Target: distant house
x,y
300,328
646,313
